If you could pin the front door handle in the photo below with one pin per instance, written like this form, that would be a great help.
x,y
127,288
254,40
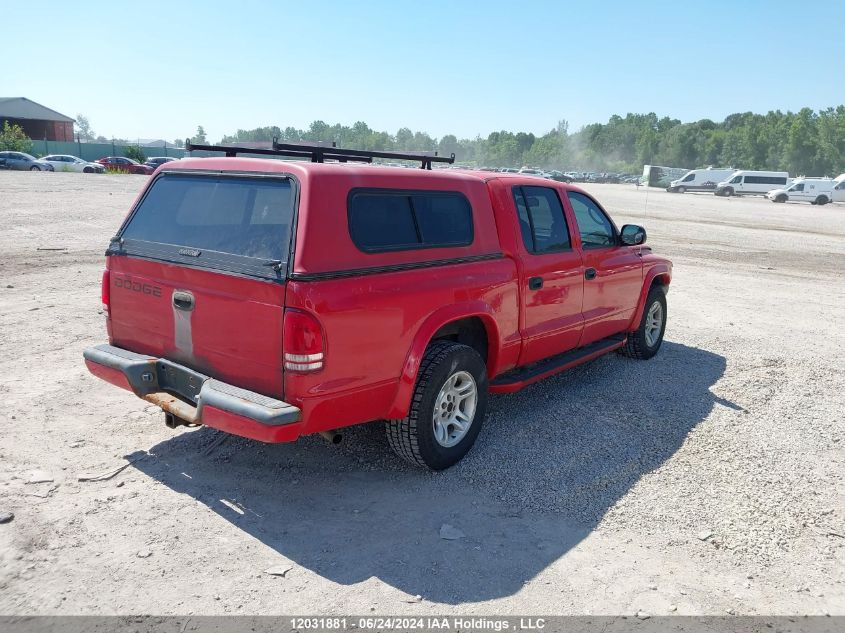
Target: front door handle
x,y
590,273
535,283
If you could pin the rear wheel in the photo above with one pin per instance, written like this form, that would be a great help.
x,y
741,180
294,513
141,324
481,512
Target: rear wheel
x,y
447,408
646,340
821,200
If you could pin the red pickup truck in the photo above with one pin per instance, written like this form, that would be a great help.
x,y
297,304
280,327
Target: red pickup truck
x,y
272,299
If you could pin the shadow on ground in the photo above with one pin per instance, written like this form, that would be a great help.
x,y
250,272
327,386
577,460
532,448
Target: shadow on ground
x,y
549,463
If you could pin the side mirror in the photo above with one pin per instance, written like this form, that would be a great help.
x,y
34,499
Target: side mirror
x,y
632,235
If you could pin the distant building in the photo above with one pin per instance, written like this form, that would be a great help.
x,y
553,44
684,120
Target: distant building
x,y
38,122
154,142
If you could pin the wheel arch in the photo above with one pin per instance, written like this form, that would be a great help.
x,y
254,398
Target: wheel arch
x,y
659,275
463,323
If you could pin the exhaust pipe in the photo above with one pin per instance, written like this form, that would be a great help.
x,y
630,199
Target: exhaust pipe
x,y
332,437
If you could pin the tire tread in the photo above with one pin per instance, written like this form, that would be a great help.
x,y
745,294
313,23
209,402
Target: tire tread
x,y
636,347
402,434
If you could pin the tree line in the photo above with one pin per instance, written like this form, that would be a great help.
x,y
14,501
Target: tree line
x,y
805,142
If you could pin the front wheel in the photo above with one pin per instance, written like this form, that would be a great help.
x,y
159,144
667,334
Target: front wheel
x,y
447,408
682,189
35,168
781,198
646,340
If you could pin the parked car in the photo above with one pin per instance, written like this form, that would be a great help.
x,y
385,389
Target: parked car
x,y
66,162
813,190
125,165
23,162
529,171
228,303
559,176
839,188
155,161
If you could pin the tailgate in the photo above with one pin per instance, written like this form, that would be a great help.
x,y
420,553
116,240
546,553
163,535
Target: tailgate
x,y
232,331
197,276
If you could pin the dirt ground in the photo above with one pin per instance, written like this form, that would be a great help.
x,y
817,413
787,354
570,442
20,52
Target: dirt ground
x,y
706,481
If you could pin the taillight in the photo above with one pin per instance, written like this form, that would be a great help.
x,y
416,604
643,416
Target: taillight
x,y
105,293
303,342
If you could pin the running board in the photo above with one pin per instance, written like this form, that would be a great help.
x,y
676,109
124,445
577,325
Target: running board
x,y
520,377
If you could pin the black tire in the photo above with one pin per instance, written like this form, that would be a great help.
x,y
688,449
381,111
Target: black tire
x,y
88,170
637,345
682,189
728,192
413,438
781,198
821,201
35,168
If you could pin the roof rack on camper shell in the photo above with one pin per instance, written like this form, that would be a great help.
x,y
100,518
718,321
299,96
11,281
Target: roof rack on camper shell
x,y
321,153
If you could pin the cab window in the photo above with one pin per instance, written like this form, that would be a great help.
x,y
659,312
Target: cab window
x,y
689,178
594,226
541,220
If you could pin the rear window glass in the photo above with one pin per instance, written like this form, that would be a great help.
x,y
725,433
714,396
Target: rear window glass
x,y
387,220
246,217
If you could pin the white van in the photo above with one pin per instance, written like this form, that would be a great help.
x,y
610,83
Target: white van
x,y
839,188
752,183
699,180
812,190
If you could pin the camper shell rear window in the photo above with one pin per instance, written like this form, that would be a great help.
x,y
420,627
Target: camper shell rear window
x,y
238,223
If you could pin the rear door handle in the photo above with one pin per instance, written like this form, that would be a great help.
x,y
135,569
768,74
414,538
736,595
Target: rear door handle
x,y
590,273
535,283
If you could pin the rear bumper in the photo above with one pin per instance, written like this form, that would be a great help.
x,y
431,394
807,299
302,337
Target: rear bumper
x,y
202,399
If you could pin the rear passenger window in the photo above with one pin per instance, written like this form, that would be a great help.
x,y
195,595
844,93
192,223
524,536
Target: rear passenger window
x,y
541,220
386,220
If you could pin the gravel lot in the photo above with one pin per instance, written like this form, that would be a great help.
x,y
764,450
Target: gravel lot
x,y
708,480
